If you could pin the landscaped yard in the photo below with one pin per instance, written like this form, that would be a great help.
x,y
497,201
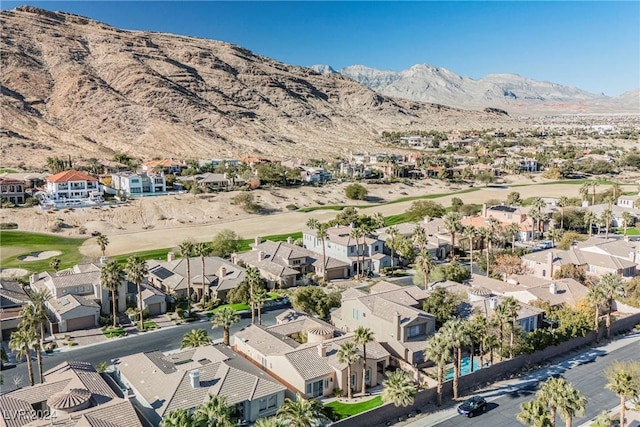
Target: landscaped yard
x,y
236,307
630,231
114,332
18,243
149,324
344,410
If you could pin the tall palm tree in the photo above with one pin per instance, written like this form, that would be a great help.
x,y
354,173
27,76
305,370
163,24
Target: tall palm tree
x,y
584,191
563,202
470,232
39,299
348,354
615,191
21,342
225,317
627,220
489,344
439,352
555,234
513,230
215,412
606,218
356,234
301,412
623,382
534,414
31,320
597,299
486,235
612,287
452,224
573,404
321,233
392,237
185,249
178,418
420,238
195,338
589,220
456,336
363,336
103,242
203,250
110,278
136,269
398,388
425,265
252,276
477,329
501,316
594,184
257,300
511,309
552,394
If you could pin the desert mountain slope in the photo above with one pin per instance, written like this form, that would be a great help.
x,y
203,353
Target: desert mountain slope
x,y
71,85
512,92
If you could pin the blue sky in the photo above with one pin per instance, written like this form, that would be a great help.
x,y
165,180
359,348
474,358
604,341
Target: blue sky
x,y
594,46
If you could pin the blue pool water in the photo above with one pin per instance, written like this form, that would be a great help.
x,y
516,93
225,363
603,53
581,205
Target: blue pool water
x,y
464,369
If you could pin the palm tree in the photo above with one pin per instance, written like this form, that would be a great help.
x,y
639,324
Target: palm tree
x,y
420,238
555,234
501,316
452,224
584,191
252,276
513,230
392,236
486,235
103,242
597,299
615,191
110,278
195,338
348,353
511,309
357,233
259,297
37,318
363,336
225,317
573,404
606,218
55,264
398,388
439,352
477,329
301,412
203,250
21,342
31,320
456,336
178,418
136,269
627,220
470,232
534,414
589,220
563,202
594,184
489,344
552,394
186,250
215,412
321,233
624,383
268,422
612,287
425,265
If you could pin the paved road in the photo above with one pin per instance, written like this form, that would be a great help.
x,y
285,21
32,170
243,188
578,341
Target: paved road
x,y
584,371
165,339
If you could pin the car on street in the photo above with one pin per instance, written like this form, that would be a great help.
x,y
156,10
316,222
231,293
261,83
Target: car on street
x,y
473,406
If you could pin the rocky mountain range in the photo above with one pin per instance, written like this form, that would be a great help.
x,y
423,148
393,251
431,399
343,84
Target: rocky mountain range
x,y
74,86
511,92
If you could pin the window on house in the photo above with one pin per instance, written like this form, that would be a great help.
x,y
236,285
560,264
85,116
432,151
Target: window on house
x,y
356,314
376,248
416,330
353,380
263,405
271,402
367,376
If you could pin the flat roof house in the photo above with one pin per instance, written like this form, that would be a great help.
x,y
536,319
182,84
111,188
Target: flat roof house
x,y
162,383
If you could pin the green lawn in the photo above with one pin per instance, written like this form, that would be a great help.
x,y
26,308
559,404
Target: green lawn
x,y
113,332
630,231
18,243
236,307
344,410
145,255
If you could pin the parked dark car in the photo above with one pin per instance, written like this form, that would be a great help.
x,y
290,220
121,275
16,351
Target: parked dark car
x,y
473,406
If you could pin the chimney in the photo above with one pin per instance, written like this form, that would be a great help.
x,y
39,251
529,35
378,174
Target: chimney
x,y
222,271
550,263
322,350
171,256
290,240
33,278
258,240
484,210
260,255
397,320
194,377
553,288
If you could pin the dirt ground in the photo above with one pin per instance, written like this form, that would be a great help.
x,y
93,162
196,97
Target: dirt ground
x,y
165,221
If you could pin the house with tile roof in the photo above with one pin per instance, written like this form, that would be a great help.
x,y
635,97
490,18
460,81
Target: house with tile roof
x,y
12,299
365,255
161,383
283,264
617,214
73,394
170,276
394,314
12,190
301,352
507,215
73,185
164,165
438,238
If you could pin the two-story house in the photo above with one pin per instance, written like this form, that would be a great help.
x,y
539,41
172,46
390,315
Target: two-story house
x,y
284,264
162,383
164,165
438,238
73,185
309,366
506,215
12,190
138,184
12,300
394,315
365,255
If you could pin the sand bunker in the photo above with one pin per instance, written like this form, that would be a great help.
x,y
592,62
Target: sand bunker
x,y
10,273
38,256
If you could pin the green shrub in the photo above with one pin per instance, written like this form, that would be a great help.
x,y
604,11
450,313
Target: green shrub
x,y
30,202
355,192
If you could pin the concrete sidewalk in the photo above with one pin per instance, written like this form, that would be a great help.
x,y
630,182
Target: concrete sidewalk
x,y
502,388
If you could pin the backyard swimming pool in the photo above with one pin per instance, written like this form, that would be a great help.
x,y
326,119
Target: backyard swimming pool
x,y
464,368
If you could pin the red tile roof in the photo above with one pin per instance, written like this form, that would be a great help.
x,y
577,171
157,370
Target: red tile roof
x,y
70,175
